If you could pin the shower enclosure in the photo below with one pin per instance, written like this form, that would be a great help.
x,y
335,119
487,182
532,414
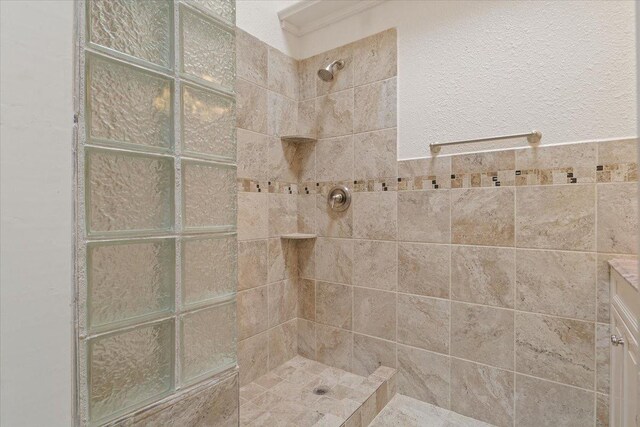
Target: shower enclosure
x,y
155,212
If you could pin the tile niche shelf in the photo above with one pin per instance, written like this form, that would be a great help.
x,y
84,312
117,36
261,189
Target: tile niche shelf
x,y
298,236
298,139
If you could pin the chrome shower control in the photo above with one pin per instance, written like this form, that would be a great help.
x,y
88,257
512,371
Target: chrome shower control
x,y
339,198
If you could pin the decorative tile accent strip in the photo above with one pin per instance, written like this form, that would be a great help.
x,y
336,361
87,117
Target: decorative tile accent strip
x,y
485,179
556,176
618,172
252,186
425,182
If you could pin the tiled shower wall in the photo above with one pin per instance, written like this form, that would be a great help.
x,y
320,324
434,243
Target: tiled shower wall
x,y
483,278
267,90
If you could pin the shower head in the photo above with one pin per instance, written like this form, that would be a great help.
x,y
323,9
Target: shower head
x,y
326,73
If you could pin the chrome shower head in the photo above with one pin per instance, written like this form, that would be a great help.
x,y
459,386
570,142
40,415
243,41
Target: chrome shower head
x,y
326,73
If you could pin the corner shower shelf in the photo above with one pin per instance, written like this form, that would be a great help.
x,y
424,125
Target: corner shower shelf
x,y
298,139
298,236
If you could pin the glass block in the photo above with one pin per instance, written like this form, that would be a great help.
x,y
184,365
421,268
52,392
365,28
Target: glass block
x,y
142,29
208,49
223,9
128,192
208,268
128,369
128,105
129,281
209,196
208,341
208,123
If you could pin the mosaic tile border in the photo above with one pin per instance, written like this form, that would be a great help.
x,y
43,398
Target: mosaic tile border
x,y
618,172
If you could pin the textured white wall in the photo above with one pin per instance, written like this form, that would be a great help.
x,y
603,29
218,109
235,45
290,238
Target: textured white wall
x,y
474,69
261,17
36,216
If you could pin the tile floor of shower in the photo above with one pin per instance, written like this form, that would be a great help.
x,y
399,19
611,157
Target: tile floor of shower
x,y
303,392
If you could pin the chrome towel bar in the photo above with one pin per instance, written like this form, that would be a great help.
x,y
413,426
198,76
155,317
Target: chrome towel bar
x,y
533,137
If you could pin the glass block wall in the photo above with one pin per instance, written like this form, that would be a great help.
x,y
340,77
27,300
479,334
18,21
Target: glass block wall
x,y
156,201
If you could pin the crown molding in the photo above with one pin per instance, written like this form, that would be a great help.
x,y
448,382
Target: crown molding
x,y
310,15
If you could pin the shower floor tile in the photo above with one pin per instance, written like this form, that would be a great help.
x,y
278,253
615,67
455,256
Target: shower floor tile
x,y
302,392
407,412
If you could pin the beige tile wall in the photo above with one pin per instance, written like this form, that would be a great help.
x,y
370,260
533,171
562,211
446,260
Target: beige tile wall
x,y
482,278
267,86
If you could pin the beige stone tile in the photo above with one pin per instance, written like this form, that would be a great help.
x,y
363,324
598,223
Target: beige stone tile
x,y
483,393
431,168
557,349
251,391
375,57
252,264
307,118
370,353
556,217
424,216
334,346
253,216
423,269
542,403
482,334
268,380
376,154
483,275
283,216
306,338
334,304
483,216
602,294
283,343
251,106
251,58
424,375
253,316
334,260
618,218
368,410
374,313
306,213
283,74
375,106
281,260
307,299
307,76
282,161
251,151
375,215
306,255
492,161
334,114
253,353
603,345
249,412
557,283
282,117
581,158
619,151
602,410
283,302
424,322
342,79
331,223
334,159
306,160
375,264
